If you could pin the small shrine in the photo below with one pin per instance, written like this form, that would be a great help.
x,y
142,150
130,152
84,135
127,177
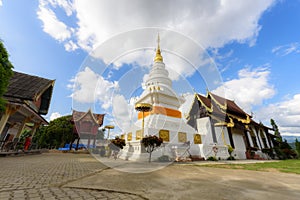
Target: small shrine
x,y
86,125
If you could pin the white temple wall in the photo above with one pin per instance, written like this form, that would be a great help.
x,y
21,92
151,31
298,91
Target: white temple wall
x,y
222,138
153,124
240,147
204,129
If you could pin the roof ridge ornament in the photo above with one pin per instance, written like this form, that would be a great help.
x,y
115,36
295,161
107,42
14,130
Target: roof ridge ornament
x,y
158,57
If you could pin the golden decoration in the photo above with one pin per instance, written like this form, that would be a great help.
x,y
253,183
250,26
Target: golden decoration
x,y
197,139
143,107
158,57
182,137
164,134
231,123
138,135
129,136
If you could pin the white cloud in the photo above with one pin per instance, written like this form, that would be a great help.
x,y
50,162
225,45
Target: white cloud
x,y
286,114
71,46
287,49
67,5
51,25
212,23
1,3
208,23
123,112
90,87
251,88
185,108
55,115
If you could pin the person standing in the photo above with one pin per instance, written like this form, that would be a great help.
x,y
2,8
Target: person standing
x,y
27,143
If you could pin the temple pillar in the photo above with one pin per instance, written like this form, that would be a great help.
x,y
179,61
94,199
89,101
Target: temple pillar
x,y
26,120
247,141
229,129
8,112
258,138
36,125
94,142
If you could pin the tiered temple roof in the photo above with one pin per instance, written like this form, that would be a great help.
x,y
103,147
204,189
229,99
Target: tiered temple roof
x,y
96,118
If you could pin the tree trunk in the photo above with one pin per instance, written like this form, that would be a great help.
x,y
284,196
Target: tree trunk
x,y
150,156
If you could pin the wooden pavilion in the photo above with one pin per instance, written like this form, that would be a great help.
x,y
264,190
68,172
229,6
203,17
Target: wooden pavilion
x,y
86,125
28,97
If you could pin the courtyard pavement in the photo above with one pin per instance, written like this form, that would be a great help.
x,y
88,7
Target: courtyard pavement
x,y
81,176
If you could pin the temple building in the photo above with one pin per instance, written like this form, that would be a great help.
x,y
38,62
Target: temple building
x,y
28,98
221,122
164,120
212,125
86,126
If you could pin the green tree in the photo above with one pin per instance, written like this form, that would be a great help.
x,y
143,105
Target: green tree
x,y
117,144
6,73
151,143
276,130
58,133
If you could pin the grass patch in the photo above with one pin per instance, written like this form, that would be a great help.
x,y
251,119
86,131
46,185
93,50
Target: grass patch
x,y
288,166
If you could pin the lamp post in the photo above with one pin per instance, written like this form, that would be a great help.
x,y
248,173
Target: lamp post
x,y
109,127
143,107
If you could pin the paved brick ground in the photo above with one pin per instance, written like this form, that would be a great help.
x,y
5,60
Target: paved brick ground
x,y
44,176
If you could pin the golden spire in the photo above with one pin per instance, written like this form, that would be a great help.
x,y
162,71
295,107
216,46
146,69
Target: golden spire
x,y
158,57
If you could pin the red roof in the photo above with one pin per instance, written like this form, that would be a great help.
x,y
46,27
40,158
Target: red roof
x,y
231,105
96,118
205,100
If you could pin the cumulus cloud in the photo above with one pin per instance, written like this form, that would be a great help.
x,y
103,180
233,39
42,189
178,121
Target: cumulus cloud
x,y
90,87
251,88
70,46
208,23
185,108
286,114
123,111
55,115
1,3
212,23
287,49
67,5
51,25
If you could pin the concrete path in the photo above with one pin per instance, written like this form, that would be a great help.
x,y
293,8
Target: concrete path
x,y
81,176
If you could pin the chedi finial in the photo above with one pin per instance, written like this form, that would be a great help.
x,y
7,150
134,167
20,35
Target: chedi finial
x,y
158,57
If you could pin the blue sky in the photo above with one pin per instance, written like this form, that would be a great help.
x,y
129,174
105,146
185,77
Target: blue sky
x,y
99,52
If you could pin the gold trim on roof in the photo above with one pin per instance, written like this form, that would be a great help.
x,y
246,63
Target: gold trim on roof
x,y
224,107
207,108
244,121
231,123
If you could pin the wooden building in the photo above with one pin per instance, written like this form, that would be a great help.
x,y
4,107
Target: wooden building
x,y
87,125
28,98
